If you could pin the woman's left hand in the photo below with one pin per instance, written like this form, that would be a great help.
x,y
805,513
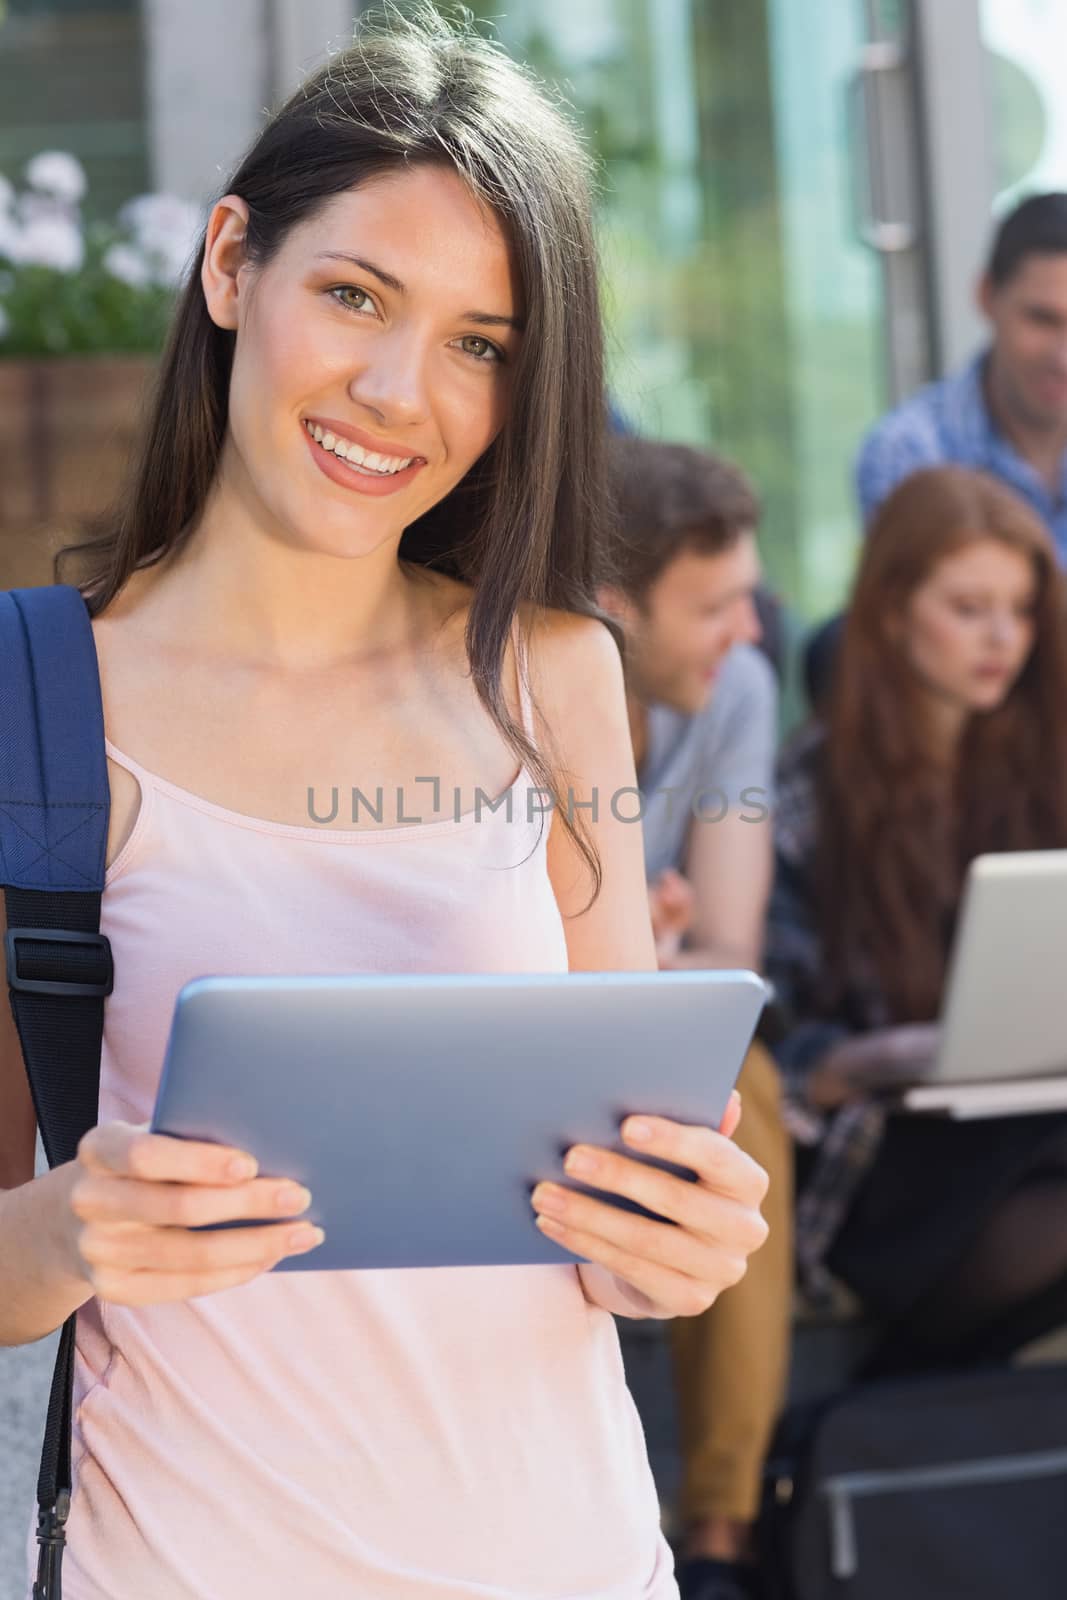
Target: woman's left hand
x,y
680,1269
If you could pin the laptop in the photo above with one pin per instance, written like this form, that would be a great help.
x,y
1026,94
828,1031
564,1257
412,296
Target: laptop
x,y
1003,1048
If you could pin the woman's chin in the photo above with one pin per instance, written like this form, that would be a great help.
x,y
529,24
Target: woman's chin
x,y
348,538
990,697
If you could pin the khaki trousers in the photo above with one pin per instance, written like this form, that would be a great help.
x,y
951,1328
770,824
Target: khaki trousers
x,y
731,1363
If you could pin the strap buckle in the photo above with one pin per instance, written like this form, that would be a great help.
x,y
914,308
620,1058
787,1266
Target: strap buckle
x,y
19,979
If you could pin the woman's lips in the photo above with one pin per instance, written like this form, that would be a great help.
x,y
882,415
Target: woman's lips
x,y
362,482
992,674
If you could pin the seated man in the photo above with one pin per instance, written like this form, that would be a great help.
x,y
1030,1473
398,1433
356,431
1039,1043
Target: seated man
x,y
702,705
1006,412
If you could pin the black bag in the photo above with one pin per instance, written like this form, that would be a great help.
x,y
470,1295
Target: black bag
x,y
951,1487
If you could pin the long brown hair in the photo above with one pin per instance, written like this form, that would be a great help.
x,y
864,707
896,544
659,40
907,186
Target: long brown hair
x,y
896,834
526,523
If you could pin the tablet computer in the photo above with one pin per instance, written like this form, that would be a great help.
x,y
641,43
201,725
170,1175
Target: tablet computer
x,y
421,1110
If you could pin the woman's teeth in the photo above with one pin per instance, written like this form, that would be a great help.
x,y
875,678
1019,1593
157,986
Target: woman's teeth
x,y
368,462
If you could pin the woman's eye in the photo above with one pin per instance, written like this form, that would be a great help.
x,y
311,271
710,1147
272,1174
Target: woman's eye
x,y
472,344
360,301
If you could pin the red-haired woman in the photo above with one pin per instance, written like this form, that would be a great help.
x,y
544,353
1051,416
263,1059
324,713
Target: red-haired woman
x,y
945,737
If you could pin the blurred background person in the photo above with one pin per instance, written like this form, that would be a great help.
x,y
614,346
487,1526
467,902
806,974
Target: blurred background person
x,y
945,737
1006,411
702,706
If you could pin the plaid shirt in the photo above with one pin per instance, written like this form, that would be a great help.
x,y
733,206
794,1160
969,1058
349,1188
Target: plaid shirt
x,y
846,1140
950,421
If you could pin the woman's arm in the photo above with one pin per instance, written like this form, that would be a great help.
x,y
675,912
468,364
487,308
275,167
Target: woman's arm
x,y
576,678
826,1061
37,1288
794,964
116,1222
636,1267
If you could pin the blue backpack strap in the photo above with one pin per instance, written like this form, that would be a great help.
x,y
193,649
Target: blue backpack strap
x,y
54,808
53,770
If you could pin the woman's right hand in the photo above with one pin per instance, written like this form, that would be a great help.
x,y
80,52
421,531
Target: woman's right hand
x,y
884,1061
135,1198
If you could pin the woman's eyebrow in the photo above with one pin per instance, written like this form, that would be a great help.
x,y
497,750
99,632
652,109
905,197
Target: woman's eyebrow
x,y
367,266
486,319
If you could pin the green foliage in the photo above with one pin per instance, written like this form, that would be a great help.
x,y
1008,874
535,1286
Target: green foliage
x,y
48,312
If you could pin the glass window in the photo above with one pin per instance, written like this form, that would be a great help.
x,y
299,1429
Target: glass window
x,y
743,311
1027,40
72,78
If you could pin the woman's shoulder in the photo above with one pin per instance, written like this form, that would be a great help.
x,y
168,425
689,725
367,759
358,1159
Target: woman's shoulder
x,y
574,665
565,653
569,660
567,638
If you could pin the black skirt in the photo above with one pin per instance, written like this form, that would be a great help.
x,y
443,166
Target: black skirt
x,y
934,1185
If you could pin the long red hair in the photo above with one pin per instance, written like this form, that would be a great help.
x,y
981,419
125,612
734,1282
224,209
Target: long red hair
x,y
897,832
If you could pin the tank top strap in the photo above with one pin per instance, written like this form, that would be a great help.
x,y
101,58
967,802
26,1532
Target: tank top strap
x,y
145,778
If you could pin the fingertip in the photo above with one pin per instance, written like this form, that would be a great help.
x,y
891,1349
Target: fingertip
x,y
242,1167
637,1130
732,1115
138,1156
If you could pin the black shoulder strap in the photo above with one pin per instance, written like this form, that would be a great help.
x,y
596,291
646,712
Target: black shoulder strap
x,y
54,807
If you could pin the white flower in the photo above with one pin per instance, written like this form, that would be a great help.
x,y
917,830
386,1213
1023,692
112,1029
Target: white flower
x,y
56,173
167,230
50,242
170,262
5,323
7,196
160,215
125,262
31,207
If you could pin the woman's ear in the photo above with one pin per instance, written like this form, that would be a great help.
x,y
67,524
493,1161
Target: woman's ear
x,y
224,256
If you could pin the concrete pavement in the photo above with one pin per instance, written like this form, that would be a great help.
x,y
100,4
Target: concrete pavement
x,y
25,1375
25,1378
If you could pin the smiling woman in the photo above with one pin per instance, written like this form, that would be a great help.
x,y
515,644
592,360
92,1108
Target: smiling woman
x,y
363,534
398,346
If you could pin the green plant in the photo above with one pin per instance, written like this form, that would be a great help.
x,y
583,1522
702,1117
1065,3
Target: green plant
x,y
70,287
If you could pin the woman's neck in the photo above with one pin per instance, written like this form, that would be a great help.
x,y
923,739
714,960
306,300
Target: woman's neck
x,y
236,590
944,722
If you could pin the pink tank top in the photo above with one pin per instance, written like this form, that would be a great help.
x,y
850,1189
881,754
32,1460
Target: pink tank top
x,y
409,1435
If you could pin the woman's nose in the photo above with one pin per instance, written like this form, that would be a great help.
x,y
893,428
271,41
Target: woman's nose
x,y
1004,628
391,383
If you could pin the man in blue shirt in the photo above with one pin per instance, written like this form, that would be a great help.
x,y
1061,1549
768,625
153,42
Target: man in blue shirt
x,y
1006,412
